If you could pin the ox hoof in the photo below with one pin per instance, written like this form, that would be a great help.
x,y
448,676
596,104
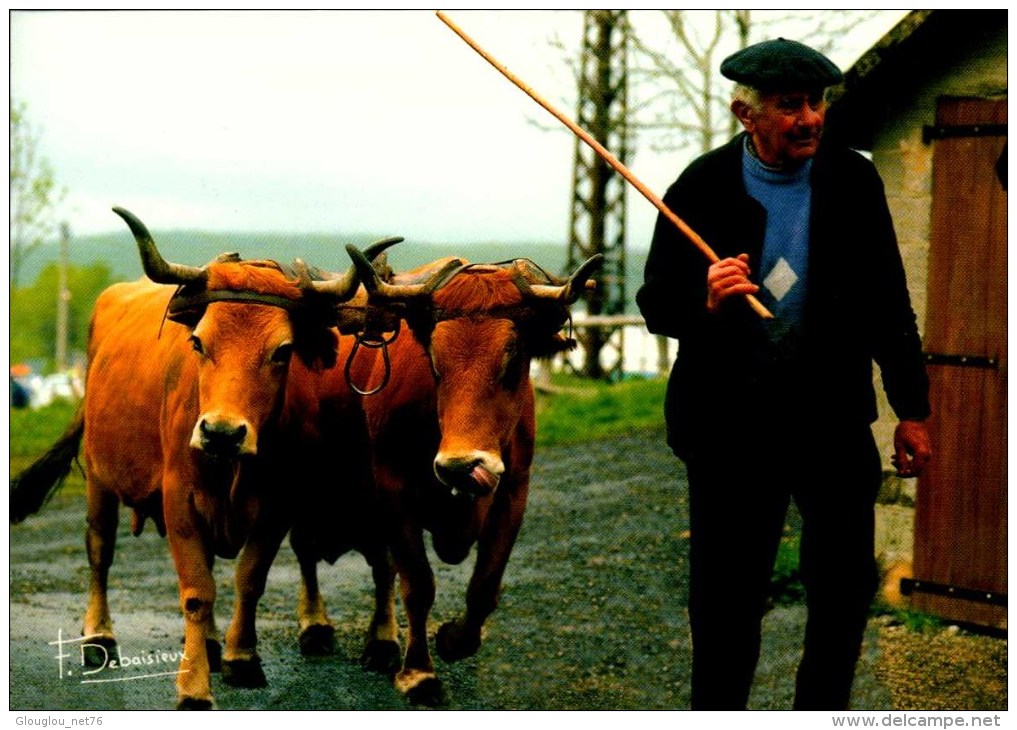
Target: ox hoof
x,y
213,650
428,692
244,673
98,650
380,656
317,640
453,643
191,703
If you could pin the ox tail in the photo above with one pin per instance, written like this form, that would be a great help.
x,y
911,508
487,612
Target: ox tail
x,y
33,487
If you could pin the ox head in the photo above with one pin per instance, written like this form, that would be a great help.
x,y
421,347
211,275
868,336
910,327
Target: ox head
x,y
481,325
246,319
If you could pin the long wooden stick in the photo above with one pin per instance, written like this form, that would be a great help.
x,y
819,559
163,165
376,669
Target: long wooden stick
x,y
613,161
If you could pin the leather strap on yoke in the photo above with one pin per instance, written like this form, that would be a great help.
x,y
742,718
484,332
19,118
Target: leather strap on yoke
x,y
181,306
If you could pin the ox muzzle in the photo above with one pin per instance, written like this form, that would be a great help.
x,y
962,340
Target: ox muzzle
x,y
473,474
224,438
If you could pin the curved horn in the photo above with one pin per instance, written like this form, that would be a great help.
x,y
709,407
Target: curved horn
x,y
344,286
156,267
571,290
378,288
372,252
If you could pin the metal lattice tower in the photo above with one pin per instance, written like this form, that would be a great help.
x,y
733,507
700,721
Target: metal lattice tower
x,y
597,220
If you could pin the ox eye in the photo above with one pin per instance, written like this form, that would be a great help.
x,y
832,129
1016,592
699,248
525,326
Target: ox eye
x,y
196,344
282,354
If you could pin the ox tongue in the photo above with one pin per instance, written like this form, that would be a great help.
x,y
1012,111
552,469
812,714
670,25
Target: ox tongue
x,y
484,477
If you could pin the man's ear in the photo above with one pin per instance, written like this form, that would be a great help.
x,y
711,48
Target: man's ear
x,y
743,113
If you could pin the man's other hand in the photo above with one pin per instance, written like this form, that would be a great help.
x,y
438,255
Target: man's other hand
x,y
912,449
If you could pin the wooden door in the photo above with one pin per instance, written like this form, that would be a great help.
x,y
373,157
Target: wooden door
x,y
960,557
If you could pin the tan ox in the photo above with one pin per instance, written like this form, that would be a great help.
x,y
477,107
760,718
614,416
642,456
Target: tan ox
x,y
212,425
453,432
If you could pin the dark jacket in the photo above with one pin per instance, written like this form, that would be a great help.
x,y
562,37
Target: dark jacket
x,y
857,309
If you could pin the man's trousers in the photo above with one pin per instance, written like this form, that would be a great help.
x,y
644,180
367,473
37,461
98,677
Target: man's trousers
x,y
740,487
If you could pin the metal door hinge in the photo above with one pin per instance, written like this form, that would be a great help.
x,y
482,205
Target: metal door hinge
x,y
932,132
961,361
910,585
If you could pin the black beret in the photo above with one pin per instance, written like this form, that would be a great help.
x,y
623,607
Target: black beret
x,y
781,64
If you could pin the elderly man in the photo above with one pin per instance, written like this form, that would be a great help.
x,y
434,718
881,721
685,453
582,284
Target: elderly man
x,y
765,410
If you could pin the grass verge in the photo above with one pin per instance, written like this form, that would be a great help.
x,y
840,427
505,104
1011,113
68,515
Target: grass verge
x,y
582,410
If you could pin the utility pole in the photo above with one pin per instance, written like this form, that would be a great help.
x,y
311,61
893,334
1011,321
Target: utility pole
x,y
597,218
63,300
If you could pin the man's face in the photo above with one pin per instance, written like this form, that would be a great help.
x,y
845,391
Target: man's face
x,y
787,126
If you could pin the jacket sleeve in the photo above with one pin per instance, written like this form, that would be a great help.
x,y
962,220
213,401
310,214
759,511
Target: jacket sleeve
x,y
672,298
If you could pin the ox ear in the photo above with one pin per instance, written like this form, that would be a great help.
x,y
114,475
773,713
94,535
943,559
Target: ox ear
x,y
381,265
545,346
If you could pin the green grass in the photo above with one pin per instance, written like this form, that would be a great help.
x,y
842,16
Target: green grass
x,y
786,587
581,410
914,621
32,432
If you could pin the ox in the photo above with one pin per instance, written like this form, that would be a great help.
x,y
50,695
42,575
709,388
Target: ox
x,y
213,429
452,434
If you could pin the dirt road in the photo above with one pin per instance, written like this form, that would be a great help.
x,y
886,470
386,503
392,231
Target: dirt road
x,y
592,615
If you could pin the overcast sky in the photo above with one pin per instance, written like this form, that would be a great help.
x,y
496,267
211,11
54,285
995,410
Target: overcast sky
x,y
380,122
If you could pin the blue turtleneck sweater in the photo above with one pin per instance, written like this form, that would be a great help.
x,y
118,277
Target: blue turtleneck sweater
x,y
786,195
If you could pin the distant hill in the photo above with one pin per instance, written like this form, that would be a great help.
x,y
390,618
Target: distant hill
x,y
119,253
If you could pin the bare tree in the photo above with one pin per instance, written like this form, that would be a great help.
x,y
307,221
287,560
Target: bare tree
x,y
681,99
33,190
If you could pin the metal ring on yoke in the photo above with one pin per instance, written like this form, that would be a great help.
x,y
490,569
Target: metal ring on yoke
x,y
380,344
382,340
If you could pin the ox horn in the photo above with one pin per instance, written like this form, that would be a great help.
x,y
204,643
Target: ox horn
x,y
344,286
382,289
156,267
573,288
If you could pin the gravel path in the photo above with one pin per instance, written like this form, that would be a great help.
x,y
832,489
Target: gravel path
x,y
592,615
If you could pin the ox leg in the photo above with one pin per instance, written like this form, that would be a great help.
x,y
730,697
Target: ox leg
x,y
381,651
197,600
213,646
241,665
100,542
461,638
416,680
317,634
